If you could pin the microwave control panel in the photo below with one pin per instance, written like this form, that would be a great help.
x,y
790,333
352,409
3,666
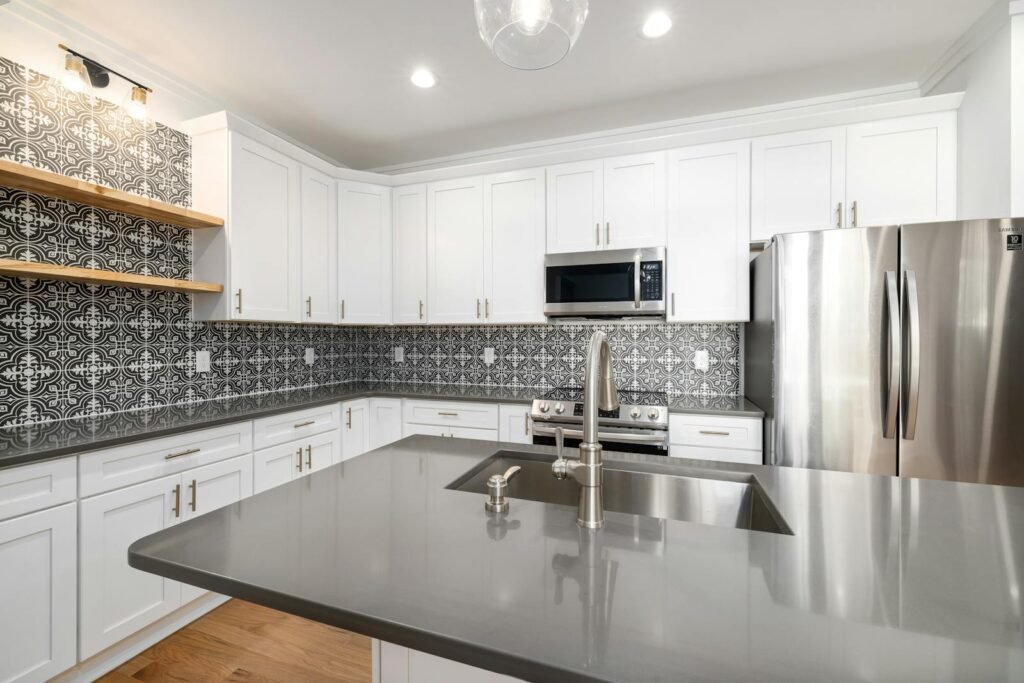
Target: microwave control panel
x,y
650,281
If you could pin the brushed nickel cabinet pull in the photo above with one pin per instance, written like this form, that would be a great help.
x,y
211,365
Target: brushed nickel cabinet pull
x,y
421,309
348,418
526,424
342,309
709,432
189,451
853,214
309,457
447,413
239,295
839,215
304,424
487,308
597,234
673,303
299,453
177,501
309,307
193,487
478,309
607,233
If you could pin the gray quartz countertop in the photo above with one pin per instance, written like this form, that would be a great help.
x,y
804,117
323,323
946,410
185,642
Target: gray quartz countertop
x,y
882,579
724,406
20,445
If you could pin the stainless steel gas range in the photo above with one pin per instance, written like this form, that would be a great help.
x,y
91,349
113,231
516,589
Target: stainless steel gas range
x,y
640,425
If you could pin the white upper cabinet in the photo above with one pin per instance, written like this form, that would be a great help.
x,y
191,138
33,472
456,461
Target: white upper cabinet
x,y
514,247
575,206
364,245
409,219
902,170
319,270
634,201
798,182
265,233
455,251
709,232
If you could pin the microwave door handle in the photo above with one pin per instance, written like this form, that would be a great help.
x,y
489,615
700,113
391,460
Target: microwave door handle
x,y
893,353
636,281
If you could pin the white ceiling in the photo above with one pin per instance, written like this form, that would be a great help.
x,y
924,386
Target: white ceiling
x,y
334,74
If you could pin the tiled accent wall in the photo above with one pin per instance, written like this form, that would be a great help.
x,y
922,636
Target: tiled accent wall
x,y
69,350
655,356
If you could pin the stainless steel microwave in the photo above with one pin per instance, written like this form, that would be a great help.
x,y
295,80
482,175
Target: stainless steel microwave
x,y
613,282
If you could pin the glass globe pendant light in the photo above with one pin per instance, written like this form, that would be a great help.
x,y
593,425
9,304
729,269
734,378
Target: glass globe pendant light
x,y
530,34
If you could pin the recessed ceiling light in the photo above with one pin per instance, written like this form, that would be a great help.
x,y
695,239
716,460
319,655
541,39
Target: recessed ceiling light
x,y
423,78
657,25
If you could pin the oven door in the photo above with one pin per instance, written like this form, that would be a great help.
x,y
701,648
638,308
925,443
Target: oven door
x,y
623,440
612,282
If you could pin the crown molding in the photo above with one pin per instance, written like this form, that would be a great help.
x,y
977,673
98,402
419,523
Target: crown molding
x,y
963,47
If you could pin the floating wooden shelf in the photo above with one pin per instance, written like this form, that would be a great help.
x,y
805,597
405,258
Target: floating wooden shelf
x,y
30,179
50,271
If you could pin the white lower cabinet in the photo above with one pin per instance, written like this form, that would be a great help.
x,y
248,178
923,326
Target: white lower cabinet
x,y
455,419
38,584
355,428
280,464
385,421
402,665
716,437
514,423
116,600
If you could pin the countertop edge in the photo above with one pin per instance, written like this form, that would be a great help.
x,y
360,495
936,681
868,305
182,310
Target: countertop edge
x,y
382,629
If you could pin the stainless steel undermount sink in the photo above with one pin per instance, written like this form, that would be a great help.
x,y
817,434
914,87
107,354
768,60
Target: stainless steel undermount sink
x,y
720,498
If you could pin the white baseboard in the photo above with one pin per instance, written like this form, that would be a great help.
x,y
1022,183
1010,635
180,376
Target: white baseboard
x,y
119,653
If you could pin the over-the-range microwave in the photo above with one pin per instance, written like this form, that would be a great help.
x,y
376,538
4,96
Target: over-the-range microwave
x,y
613,282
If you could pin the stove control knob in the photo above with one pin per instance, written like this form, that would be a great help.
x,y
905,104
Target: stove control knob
x,y
559,409
653,414
543,407
635,413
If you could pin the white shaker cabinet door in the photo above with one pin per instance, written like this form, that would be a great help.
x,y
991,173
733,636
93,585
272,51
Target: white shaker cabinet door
x,y
409,217
116,600
38,592
709,233
514,247
276,465
355,428
634,201
364,261
320,451
798,182
902,170
205,489
455,251
575,207
319,270
514,423
385,421
264,233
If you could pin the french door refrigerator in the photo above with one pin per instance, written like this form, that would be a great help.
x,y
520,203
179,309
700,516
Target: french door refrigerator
x,y
893,350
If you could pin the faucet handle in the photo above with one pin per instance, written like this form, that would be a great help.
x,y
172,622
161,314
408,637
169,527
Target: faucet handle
x,y
559,441
560,467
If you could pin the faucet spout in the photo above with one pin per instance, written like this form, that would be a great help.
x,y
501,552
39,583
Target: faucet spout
x,y
599,390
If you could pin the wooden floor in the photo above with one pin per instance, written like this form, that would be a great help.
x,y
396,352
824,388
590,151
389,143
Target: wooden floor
x,y
240,641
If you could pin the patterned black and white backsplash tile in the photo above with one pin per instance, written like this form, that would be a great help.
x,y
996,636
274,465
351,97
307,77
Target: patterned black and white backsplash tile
x,y
72,350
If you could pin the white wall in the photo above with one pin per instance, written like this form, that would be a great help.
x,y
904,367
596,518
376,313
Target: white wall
x,y
984,127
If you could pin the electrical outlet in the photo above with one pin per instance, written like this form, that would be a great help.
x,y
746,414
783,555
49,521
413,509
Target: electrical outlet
x,y
701,360
202,361
399,354
310,356
489,355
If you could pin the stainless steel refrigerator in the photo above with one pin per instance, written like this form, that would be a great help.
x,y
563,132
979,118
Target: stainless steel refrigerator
x,y
892,350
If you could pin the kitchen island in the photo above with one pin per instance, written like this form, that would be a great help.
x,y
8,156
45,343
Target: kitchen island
x,y
880,579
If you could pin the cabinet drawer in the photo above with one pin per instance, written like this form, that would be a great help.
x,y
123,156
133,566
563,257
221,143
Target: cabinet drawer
x,y
410,429
36,486
742,433
278,429
720,454
449,413
137,462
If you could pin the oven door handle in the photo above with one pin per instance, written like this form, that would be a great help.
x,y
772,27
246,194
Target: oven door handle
x,y
621,437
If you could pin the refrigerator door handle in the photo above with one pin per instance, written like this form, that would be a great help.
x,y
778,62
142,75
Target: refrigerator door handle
x,y
912,354
892,395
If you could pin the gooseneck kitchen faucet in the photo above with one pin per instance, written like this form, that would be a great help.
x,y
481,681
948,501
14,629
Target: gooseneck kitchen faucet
x,y
599,391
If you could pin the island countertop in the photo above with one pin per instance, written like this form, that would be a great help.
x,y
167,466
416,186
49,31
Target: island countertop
x,y
882,579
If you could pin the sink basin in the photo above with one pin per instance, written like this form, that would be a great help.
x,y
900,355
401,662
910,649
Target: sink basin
x,y
720,498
